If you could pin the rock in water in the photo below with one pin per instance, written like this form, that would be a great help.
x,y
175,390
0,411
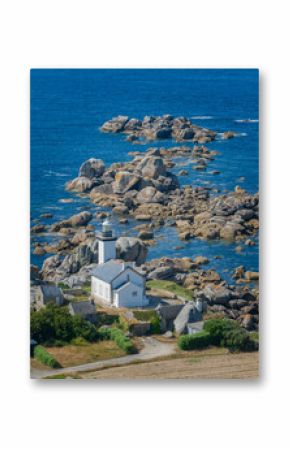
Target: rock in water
x,y
80,184
124,181
80,219
92,168
131,249
152,167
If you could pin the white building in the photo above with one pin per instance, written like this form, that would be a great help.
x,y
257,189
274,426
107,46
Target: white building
x,y
115,282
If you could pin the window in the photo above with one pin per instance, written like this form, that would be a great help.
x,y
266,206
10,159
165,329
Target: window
x,y
134,293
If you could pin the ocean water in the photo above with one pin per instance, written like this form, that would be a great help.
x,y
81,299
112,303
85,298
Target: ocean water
x,y
69,106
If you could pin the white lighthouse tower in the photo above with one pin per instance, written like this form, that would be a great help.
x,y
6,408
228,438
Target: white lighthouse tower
x,y
107,243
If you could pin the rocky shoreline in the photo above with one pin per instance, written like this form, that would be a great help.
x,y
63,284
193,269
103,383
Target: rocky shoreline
x,y
145,190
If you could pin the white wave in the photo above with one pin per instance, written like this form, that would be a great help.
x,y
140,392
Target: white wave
x,y
54,173
202,117
247,120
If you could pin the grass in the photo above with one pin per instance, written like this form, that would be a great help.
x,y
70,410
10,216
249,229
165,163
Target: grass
x,y
72,355
171,287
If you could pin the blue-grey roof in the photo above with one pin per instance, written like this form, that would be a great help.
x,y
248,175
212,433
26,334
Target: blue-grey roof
x,y
83,308
108,270
50,291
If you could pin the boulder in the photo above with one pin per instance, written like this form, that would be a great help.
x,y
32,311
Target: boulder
x,y
146,235
56,269
201,260
149,195
124,181
161,273
152,167
80,185
120,210
81,219
217,294
37,229
252,275
92,168
115,125
131,249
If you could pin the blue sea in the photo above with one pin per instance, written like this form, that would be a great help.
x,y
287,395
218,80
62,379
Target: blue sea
x,y
69,106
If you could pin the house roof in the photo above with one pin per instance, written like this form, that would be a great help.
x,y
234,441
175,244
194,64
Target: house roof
x,y
108,270
111,269
188,314
169,312
126,284
83,308
50,291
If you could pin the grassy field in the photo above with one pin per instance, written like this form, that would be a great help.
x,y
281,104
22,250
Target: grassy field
x,y
208,364
171,287
71,355
212,363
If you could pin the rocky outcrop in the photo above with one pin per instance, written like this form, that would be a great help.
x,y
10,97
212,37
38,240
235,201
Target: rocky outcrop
x,y
162,127
81,219
150,195
80,185
131,249
124,181
92,168
152,167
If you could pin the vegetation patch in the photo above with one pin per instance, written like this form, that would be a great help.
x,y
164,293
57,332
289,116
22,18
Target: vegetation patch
x,y
43,356
118,336
200,340
152,317
219,332
171,287
55,325
80,354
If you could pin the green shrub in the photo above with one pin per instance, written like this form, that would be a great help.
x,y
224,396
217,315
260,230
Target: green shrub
x,y
152,317
79,341
199,340
155,325
41,354
218,327
54,323
229,334
118,336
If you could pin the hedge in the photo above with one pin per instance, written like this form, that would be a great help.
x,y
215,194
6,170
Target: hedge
x,y
45,357
118,336
220,332
229,334
199,340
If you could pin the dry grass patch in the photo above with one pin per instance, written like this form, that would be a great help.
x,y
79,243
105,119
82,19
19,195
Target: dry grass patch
x,y
72,355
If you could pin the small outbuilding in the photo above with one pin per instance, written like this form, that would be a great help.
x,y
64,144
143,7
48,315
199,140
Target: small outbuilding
x,y
48,293
191,312
86,309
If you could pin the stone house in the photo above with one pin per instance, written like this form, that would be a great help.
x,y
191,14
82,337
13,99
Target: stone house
x,y
48,293
85,309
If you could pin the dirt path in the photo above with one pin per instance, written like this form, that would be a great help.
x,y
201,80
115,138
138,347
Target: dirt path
x,y
152,349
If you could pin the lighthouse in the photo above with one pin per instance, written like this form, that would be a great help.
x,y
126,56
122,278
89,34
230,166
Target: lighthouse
x,y
107,243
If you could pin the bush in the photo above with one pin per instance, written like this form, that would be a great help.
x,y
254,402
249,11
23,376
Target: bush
x,y
44,357
217,329
199,340
115,334
54,323
152,317
229,334
155,325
